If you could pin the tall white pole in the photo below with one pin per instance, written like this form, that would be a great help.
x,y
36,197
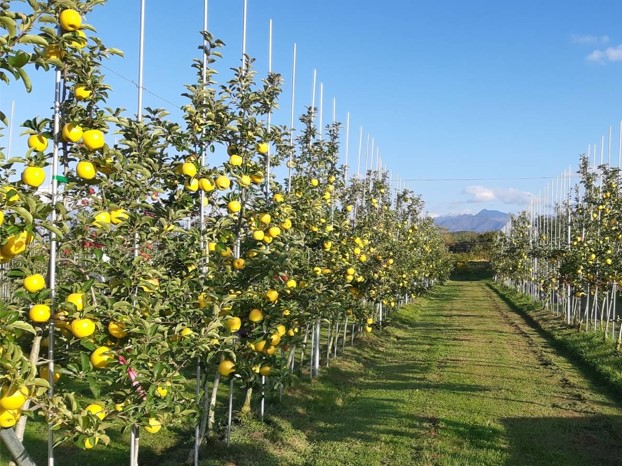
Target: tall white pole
x,y
202,215
321,121
269,122
141,56
358,165
134,431
345,174
244,15
291,124
313,98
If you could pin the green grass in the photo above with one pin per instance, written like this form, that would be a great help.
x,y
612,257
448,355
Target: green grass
x,y
458,378
591,350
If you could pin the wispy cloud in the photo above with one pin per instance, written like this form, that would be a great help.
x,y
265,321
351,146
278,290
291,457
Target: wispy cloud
x,y
587,39
610,54
480,194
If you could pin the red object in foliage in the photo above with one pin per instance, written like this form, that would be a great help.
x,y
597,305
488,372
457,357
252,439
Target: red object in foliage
x,y
132,374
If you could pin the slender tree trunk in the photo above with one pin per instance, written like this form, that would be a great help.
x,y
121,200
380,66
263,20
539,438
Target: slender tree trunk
x,y
211,419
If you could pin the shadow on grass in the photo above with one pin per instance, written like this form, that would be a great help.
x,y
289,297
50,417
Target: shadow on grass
x,y
594,440
597,360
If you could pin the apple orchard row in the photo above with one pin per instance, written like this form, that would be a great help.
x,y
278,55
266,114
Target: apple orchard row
x,y
163,260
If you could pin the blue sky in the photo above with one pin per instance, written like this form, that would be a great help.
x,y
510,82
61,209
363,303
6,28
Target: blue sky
x,y
490,95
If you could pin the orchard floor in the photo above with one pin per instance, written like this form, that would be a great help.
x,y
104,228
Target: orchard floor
x,y
457,378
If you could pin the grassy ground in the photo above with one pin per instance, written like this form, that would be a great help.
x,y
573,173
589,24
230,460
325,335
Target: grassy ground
x,y
456,379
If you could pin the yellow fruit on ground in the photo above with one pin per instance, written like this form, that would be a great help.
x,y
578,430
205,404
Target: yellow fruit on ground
x,y
233,324
86,170
72,133
117,329
263,148
189,169
97,410
37,142
223,182
154,426
272,295
206,184
239,263
14,399
258,235
265,218
70,20
34,282
101,357
256,315
44,373
226,368
235,160
77,299
82,328
93,139
234,206
39,313
80,92
265,370
33,176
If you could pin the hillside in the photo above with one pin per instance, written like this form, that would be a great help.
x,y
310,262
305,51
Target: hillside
x,y
483,221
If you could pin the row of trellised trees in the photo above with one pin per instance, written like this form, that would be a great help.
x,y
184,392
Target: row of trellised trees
x,y
147,266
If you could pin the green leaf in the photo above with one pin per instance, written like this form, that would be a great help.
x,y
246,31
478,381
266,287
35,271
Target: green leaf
x,y
33,39
25,79
26,327
9,25
27,216
52,228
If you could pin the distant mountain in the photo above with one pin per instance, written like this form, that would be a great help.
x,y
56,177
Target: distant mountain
x,y
483,221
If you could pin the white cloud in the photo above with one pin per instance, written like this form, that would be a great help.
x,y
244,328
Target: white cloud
x,y
506,196
588,39
611,54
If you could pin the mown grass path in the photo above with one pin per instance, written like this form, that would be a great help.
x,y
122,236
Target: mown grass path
x,y
461,380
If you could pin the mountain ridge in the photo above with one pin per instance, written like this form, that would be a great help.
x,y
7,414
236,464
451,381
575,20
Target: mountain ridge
x,y
485,220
